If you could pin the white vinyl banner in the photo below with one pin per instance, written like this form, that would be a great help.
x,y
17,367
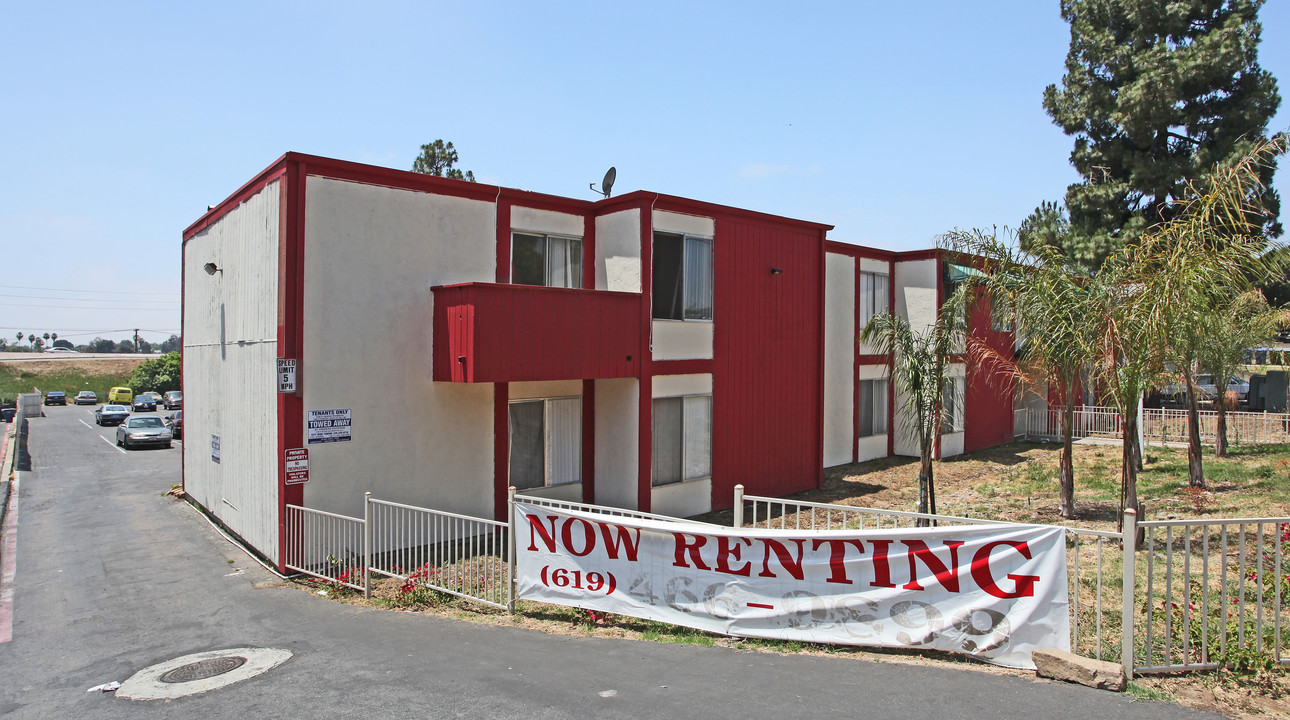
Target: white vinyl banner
x,y
996,592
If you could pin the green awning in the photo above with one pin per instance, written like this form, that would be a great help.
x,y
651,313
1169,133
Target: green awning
x,y
959,273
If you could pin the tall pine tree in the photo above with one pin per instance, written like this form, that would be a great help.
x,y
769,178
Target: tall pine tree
x,y
1155,92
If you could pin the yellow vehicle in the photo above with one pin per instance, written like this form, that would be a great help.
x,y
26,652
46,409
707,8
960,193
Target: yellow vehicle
x,y
120,396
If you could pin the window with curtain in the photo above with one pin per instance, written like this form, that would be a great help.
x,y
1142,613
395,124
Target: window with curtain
x,y
873,408
873,296
547,260
682,277
952,398
545,442
682,439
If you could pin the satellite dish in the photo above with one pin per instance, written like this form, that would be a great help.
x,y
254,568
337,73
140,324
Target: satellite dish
x,y
607,185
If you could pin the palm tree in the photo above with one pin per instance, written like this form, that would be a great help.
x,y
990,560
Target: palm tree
x,y
20,336
1242,322
921,360
1048,298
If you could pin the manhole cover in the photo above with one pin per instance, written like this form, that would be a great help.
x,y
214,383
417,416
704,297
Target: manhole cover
x,y
203,669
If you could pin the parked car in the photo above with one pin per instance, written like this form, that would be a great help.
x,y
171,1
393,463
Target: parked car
x,y
137,431
61,350
87,397
176,424
174,400
111,414
144,403
120,395
54,397
1206,390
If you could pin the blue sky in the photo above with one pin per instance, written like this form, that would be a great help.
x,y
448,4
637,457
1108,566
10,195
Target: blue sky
x,y
892,121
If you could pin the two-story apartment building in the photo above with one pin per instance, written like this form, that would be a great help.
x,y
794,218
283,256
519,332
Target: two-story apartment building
x,y
451,339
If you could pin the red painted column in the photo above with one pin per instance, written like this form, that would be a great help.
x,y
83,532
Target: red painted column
x,y
291,288
645,416
501,449
589,441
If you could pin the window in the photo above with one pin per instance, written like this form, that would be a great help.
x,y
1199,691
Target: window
x,y
952,397
873,408
682,277
873,296
545,442
682,439
546,260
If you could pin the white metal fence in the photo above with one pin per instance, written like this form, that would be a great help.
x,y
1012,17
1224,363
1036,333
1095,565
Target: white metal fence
x,y
450,553
1159,425
1197,593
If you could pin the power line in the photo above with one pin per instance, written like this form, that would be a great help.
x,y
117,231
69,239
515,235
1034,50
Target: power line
x,y
94,292
90,307
81,299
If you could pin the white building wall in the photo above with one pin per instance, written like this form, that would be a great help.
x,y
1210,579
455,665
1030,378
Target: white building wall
x,y
371,256
839,358
618,251
546,221
230,341
681,339
916,282
687,224
617,442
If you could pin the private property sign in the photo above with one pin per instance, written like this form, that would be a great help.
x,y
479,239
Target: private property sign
x,y
327,426
996,592
296,463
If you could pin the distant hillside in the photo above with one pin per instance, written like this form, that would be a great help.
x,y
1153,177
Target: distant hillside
x,y
71,375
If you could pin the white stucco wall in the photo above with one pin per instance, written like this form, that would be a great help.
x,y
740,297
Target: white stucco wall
x,y
839,357
681,339
882,267
546,221
916,284
617,442
674,385
687,224
371,256
229,366
618,251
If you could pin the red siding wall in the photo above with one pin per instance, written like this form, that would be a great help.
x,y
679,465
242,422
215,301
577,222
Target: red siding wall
x,y
510,333
989,403
767,366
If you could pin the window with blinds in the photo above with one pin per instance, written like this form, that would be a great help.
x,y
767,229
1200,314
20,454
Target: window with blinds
x,y
545,442
682,277
682,439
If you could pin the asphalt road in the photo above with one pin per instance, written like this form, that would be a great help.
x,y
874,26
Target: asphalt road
x,y
113,577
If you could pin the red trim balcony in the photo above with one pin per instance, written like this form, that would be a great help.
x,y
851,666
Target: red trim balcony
x,y
487,332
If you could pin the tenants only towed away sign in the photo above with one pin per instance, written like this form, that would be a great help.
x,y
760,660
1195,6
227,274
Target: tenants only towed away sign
x,y
996,592
326,426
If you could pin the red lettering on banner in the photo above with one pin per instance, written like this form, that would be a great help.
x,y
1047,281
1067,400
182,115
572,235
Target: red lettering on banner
x,y
536,528
786,560
837,558
1025,584
726,550
881,569
690,545
588,536
948,577
628,539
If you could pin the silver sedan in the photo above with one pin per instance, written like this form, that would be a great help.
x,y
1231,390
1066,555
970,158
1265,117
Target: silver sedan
x,y
146,430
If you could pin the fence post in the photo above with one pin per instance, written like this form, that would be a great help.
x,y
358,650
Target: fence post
x,y
367,544
510,550
1129,536
739,506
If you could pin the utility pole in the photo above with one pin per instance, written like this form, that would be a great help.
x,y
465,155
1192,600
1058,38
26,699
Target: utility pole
x,y
136,340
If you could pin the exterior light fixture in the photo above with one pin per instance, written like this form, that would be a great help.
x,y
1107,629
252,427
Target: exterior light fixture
x,y
212,268
776,271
